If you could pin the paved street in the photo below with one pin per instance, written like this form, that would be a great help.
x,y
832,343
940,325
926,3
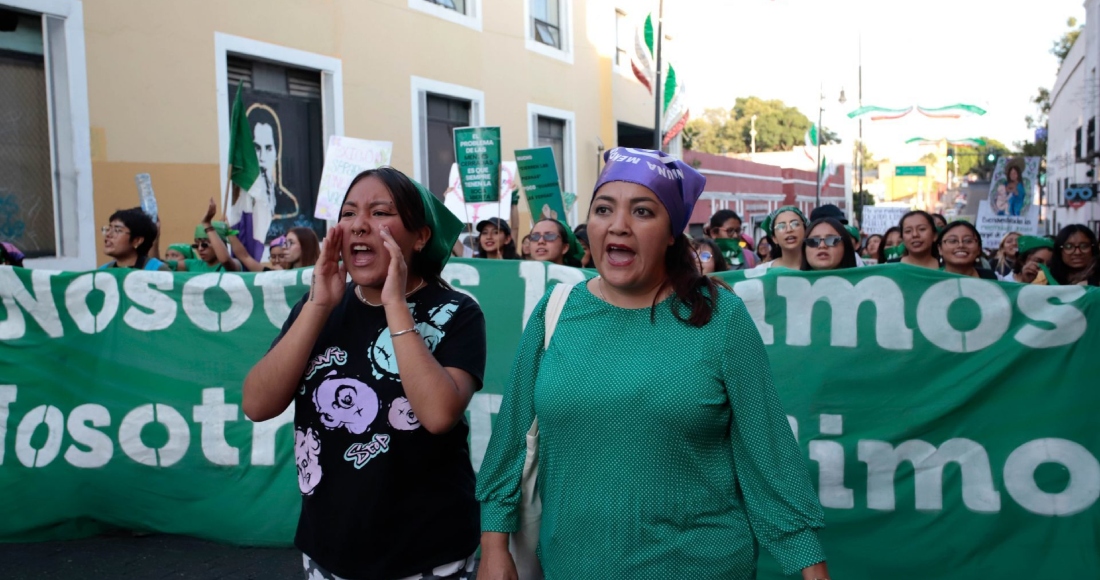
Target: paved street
x,y
123,556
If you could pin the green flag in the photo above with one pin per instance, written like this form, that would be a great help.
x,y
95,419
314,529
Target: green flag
x,y
242,153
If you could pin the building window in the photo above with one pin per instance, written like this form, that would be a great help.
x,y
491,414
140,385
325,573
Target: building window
x,y
456,5
546,22
622,39
464,12
45,173
443,115
1090,147
551,133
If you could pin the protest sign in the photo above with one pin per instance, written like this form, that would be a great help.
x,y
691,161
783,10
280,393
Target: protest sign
x,y
345,158
477,152
538,173
472,213
994,227
145,193
949,428
876,219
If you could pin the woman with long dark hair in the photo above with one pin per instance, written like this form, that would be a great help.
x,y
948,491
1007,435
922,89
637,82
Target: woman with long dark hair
x,y
709,256
380,371
1075,259
918,232
682,380
960,247
871,246
891,244
494,240
553,241
828,246
786,226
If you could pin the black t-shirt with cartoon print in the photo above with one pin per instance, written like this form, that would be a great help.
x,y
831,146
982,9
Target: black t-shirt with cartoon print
x,y
381,496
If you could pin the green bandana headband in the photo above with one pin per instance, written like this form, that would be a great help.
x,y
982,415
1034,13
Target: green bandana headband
x,y
770,220
184,249
853,231
576,250
1028,243
444,225
895,252
220,228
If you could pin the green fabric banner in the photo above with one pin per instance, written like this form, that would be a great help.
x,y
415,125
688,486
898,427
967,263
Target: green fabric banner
x,y
948,423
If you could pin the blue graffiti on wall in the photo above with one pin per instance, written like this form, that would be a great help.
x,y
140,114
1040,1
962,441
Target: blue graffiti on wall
x,y
11,228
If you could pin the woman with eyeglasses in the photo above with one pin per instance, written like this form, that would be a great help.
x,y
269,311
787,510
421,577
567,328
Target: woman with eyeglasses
x,y
212,250
709,256
127,239
828,246
1075,259
553,241
676,460
918,233
960,246
786,226
380,371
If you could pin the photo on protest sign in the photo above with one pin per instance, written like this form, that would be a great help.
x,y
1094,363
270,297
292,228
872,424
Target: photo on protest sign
x,y
538,171
477,152
876,220
473,212
346,157
1013,186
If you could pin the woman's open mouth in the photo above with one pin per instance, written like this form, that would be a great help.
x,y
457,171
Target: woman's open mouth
x,y
619,255
362,255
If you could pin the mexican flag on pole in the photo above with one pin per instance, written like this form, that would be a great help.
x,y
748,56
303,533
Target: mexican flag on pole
x,y
675,113
643,58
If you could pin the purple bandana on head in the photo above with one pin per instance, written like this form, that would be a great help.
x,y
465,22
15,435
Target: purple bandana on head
x,y
674,182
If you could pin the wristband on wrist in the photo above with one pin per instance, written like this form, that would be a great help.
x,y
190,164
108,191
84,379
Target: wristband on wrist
x,y
406,331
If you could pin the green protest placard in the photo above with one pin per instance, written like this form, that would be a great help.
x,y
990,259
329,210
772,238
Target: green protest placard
x,y
477,152
539,175
948,423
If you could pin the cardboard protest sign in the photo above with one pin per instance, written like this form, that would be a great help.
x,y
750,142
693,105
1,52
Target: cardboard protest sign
x,y
539,174
477,151
472,213
347,157
876,220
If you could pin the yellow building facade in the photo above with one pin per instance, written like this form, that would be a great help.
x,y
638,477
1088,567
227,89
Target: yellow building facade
x,y
145,86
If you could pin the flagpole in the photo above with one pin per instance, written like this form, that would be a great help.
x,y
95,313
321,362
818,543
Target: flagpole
x,y
820,109
658,89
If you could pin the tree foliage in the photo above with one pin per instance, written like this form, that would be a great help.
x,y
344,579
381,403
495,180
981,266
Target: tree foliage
x,y
778,128
1063,45
869,161
976,159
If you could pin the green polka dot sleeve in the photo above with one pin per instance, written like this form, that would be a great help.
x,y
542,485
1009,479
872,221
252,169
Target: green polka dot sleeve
x,y
771,472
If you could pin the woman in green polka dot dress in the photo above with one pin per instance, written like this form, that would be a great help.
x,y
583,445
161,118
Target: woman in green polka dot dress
x,y
664,451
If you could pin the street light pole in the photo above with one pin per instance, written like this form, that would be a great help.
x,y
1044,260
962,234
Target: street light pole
x,y
820,111
658,89
752,133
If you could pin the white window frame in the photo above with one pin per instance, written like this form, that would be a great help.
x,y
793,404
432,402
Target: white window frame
x,y
565,53
569,145
471,20
419,89
70,138
332,87
626,69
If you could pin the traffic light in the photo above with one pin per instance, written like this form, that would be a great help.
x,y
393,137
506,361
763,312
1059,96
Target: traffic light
x,y
991,157
950,154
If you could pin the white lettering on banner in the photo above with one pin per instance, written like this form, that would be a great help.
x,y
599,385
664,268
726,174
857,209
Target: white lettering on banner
x,y
563,275
844,300
274,285
76,301
100,447
55,425
39,305
462,275
138,286
263,436
7,397
212,414
751,293
482,408
534,287
1084,472
829,456
995,307
882,461
194,302
1069,323
179,435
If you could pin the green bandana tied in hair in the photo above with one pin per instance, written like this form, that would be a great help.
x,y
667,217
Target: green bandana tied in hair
x,y
220,228
184,249
444,225
895,252
1028,243
853,231
769,221
576,250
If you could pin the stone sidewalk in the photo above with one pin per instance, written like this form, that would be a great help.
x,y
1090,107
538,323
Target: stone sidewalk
x,y
123,556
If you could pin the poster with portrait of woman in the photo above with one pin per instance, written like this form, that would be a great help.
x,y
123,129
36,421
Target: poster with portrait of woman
x,y
1010,206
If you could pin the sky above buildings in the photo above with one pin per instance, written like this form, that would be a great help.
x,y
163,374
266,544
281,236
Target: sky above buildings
x,y
990,53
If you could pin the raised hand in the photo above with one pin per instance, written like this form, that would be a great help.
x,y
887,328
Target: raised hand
x,y
329,274
210,212
393,291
